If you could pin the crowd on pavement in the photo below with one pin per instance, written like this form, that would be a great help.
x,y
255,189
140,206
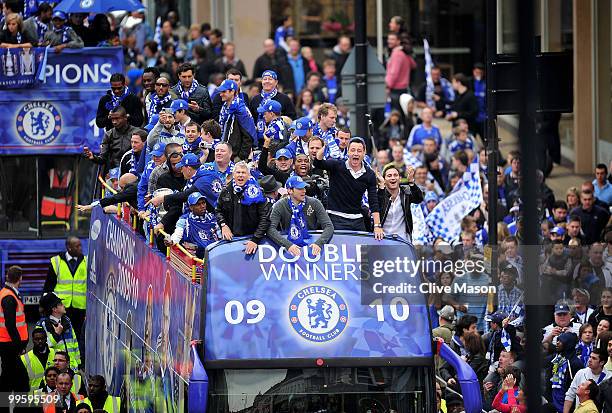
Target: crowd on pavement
x,y
204,150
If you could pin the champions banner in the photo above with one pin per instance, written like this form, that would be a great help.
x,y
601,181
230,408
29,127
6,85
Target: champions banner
x,y
141,317
57,116
22,67
275,306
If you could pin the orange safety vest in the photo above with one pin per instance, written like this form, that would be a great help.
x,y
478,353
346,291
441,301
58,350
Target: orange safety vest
x,y
57,207
50,408
20,320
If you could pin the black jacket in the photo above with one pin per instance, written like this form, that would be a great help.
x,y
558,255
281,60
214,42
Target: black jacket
x,y
240,139
132,105
242,220
278,63
202,98
263,167
114,145
411,194
605,396
287,107
128,194
466,107
217,104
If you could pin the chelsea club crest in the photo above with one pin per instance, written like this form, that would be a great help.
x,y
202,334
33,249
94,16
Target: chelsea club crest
x,y
318,313
38,123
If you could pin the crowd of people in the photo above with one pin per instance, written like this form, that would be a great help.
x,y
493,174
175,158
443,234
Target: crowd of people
x,y
203,152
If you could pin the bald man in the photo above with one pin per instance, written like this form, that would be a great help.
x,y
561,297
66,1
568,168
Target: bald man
x,y
128,185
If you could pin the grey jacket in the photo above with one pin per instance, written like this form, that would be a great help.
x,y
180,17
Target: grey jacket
x,y
55,39
155,174
316,218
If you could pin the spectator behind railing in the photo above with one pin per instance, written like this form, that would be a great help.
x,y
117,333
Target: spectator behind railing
x,y
14,35
61,36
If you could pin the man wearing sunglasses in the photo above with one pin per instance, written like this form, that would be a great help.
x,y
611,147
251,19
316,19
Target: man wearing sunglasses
x,y
119,95
162,98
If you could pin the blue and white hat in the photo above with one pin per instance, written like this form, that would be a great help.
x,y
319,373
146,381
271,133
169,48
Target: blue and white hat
x,y
158,149
271,106
270,73
58,14
189,159
227,84
302,126
179,104
284,153
194,198
295,182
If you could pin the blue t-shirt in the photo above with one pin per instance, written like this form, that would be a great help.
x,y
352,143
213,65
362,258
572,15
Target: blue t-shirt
x,y
419,133
332,89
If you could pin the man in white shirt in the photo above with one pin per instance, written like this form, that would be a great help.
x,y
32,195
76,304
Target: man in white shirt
x,y
594,371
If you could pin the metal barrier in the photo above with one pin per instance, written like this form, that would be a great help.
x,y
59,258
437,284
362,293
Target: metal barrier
x,y
177,254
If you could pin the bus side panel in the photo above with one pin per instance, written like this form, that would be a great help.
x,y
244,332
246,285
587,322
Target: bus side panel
x,y
141,318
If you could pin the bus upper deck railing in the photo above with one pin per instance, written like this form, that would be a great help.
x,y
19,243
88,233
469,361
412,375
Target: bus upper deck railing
x,y
184,260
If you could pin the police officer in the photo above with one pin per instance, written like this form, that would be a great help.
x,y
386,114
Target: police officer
x,y
67,277
38,359
60,333
13,334
99,397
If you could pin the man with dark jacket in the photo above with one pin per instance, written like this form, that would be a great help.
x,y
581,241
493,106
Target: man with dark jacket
x,y
116,141
242,209
395,201
217,103
296,215
13,334
272,59
348,181
237,125
563,367
593,218
283,162
119,95
269,82
188,89
465,105
128,193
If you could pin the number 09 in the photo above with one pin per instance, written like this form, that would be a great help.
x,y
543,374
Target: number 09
x,y
234,311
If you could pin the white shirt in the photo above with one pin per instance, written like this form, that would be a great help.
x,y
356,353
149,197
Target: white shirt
x,y
582,376
356,174
395,223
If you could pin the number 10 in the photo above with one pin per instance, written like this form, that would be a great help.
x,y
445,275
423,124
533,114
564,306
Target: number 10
x,y
394,308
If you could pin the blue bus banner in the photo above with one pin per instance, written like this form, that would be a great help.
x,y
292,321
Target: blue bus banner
x,y
59,115
142,315
277,306
22,67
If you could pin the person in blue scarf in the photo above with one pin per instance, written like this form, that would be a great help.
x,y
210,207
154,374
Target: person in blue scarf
x,y
584,348
326,129
563,367
61,36
296,215
119,95
198,227
242,209
302,133
237,125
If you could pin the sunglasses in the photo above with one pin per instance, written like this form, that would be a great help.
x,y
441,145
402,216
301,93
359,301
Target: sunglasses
x,y
117,88
162,84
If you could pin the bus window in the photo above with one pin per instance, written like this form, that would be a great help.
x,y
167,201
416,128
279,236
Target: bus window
x,y
330,390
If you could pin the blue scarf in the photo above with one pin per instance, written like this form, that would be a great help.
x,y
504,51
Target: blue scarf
x,y
298,230
250,193
157,104
192,147
41,28
116,100
332,150
584,351
224,115
64,31
186,94
200,230
261,123
236,110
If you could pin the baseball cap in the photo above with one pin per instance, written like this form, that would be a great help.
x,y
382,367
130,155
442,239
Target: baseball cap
x,y
270,73
557,231
58,14
152,122
447,312
158,149
302,126
227,84
431,196
189,159
179,104
271,106
284,152
295,182
562,309
194,198
496,318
